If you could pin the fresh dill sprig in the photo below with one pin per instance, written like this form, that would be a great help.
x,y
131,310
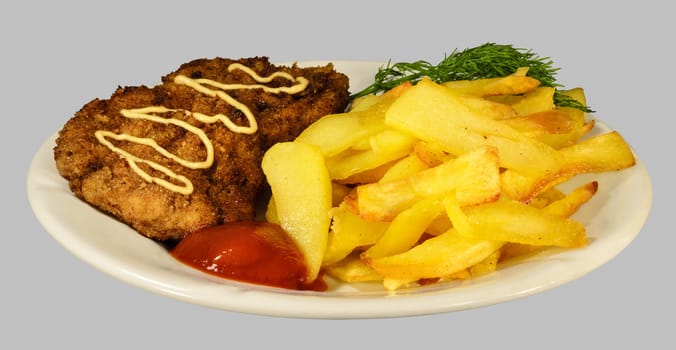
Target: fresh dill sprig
x,y
489,60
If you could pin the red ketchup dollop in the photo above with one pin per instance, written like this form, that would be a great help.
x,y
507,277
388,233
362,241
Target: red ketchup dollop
x,y
249,251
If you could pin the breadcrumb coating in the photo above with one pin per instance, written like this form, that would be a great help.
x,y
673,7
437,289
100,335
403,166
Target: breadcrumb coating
x,y
224,192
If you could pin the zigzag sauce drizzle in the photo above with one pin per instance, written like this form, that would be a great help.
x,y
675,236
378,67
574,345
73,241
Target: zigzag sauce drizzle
x,y
202,86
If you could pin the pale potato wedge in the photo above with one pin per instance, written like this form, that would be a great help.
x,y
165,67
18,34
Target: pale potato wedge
x,y
302,194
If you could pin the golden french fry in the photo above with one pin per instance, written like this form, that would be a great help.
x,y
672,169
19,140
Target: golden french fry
x,y
343,238
335,133
602,153
368,101
452,124
546,197
439,225
485,266
475,177
438,256
606,152
487,108
368,176
463,274
386,146
577,94
513,84
456,215
588,126
431,153
404,167
559,205
406,229
463,226
398,90
469,87
391,283
557,127
512,221
568,205
353,269
538,100
364,102
512,250
349,231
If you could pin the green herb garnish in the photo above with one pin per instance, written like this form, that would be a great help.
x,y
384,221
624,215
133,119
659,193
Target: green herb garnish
x,y
489,60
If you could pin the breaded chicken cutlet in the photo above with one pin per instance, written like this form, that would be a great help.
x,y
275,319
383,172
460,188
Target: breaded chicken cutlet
x,y
185,154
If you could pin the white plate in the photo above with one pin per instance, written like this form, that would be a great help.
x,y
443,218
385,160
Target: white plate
x,y
116,249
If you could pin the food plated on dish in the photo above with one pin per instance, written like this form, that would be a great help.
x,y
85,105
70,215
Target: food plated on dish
x,y
432,180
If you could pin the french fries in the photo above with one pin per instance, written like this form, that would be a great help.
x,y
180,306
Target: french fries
x,y
433,182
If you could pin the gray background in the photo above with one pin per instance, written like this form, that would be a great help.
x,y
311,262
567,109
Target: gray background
x,y
56,56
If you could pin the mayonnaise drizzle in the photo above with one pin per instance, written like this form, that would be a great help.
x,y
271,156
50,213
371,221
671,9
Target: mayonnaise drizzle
x,y
203,86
